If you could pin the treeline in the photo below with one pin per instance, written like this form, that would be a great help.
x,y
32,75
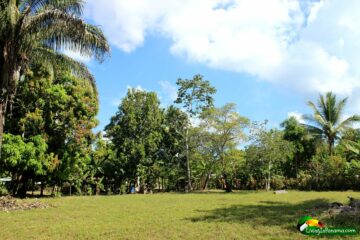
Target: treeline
x,y
190,145
49,103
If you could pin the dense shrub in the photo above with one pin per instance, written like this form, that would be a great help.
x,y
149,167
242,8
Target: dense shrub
x,y
278,182
3,190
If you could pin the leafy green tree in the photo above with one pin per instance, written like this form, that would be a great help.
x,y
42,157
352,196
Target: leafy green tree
x,y
195,95
136,132
101,173
326,120
349,145
24,160
35,31
304,145
226,127
204,157
236,167
268,150
62,109
173,164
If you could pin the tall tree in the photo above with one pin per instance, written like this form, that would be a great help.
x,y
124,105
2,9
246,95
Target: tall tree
x,y
195,95
172,145
62,109
268,150
33,31
226,127
326,120
136,132
304,145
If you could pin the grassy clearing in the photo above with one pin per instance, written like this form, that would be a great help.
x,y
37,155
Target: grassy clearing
x,y
242,215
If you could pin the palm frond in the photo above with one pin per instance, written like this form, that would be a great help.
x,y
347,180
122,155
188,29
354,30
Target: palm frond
x,y
61,31
317,119
339,109
35,6
313,130
347,122
74,7
351,145
59,61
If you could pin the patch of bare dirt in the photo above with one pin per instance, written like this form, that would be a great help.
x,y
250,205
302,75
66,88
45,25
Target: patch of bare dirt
x,y
9,203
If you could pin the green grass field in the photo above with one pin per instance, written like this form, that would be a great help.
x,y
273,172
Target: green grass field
x,y
242,215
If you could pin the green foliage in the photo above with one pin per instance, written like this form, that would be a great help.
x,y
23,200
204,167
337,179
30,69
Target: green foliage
x,y
172,164
37,32
304,146
268,152
277,182
223,130
24,160
352,174
136,132
195,94
21,155
62,110
3,190
326,122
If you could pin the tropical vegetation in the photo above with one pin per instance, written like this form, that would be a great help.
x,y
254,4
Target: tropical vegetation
x,y
49,103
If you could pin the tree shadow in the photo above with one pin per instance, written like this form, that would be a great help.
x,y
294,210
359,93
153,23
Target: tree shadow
x,y
222,192
265,213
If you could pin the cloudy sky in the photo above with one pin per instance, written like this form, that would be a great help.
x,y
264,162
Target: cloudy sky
x,y
267,56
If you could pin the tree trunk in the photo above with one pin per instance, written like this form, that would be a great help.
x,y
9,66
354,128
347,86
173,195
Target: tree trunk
x,y
206,181
2,123
296,165
269,178
8,82
189,186
228,185
23,186
42,189
331,147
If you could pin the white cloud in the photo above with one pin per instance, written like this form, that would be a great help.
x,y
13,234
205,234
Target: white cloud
x,y
298,116
312,46
168,90
116,102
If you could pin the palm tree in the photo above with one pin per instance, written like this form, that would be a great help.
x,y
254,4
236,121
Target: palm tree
x,y
326,122
39,31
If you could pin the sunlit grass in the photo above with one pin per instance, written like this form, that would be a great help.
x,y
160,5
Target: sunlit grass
x,y
242,215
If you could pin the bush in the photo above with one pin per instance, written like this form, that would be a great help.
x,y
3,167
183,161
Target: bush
x,y
3,190
123,188
352,175
304,181
277,182
291,183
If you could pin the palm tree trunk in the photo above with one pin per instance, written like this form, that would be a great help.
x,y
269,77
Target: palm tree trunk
x,y
331,145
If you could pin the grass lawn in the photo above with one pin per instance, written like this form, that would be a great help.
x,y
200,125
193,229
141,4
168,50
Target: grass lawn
x,y
241,215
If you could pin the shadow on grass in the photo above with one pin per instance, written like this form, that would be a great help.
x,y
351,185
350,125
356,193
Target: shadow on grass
x,y
266,213
223,192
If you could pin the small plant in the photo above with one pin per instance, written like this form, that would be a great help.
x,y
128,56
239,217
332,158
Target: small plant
x,y
3,190
277,182
123,189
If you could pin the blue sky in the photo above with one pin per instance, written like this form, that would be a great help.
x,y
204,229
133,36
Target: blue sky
x,y
152,64
268,57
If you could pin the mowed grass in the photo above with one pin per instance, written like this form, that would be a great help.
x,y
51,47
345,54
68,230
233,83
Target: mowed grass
x,y
241,215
